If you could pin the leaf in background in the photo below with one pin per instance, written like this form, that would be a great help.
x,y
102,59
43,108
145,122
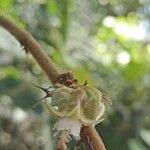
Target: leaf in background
x,y
134,71
135,144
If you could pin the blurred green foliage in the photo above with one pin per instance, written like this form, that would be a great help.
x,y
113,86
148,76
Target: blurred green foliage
x,y
104,41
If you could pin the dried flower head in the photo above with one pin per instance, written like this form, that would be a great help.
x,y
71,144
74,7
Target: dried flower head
x,y
75,107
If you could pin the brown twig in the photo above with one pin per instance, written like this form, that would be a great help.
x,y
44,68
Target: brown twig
x,y
91,138
88,134
32,46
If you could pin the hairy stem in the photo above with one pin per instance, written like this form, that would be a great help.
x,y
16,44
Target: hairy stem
x,y
88,134
31,45
91,138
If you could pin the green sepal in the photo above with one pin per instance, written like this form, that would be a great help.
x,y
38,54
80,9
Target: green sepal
x,y
66,99
91,105
51,111
75,113
88,122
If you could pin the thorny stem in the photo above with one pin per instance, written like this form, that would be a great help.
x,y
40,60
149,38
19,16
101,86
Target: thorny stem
x,y
89,134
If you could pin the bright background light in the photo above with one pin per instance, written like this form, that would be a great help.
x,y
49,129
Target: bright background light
x,y
123,58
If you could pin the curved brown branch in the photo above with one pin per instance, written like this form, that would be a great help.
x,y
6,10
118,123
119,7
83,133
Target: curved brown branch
x,y
88,134
91,138
32,46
